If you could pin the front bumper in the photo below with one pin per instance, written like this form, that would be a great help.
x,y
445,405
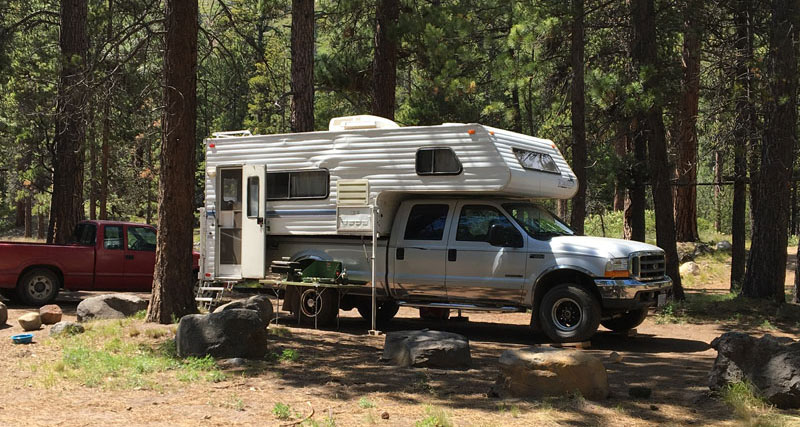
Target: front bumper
x,y
629,294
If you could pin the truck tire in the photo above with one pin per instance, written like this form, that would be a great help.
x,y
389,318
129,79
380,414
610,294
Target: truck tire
x,y
627,321
569,313
318,306
385,311
38,287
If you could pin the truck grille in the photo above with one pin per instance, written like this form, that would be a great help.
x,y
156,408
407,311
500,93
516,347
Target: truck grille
x,y
648,266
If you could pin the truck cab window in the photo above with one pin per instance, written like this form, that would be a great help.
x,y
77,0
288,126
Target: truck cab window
x,y
85,234
113,237
426,222
476,220
437,161
141,239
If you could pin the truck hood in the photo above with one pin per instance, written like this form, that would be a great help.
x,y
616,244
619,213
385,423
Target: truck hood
x,y
599,246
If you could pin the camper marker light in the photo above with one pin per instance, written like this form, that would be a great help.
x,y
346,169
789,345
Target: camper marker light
x,y
212,145
617,267
471,131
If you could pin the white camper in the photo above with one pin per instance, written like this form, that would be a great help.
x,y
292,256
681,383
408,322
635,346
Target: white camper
x,y
448,206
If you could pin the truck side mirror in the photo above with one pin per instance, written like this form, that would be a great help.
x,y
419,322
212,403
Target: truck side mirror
x,y
504,236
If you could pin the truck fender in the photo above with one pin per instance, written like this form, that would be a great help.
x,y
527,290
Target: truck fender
x,y
556,275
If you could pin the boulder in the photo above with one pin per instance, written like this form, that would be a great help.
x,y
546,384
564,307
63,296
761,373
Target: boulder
x,y
426,348
30,321
50,314
771,364
724,246
3,314
689,268
66,328
227,334
685,251
111,306
258,303
536,372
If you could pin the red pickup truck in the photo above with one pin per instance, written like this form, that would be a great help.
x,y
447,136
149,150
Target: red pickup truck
x,y
103,256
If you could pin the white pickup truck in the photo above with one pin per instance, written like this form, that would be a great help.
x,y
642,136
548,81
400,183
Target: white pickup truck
x,y
486,254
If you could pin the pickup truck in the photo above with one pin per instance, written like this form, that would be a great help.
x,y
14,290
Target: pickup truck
x,y
102,256
500,254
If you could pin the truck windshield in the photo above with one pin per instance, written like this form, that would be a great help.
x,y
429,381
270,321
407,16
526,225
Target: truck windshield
x,y
537,222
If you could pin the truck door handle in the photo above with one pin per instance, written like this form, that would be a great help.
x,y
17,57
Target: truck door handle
x,y
128,256
452,254
400,253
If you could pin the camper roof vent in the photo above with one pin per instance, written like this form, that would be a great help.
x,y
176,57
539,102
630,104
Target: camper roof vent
x,y
361,122
352,192
231,134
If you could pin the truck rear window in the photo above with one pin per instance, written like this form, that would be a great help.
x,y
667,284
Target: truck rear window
x,y
85,234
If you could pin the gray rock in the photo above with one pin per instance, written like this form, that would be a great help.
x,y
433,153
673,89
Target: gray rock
x,y
111,306
30,321
3,314
50,314
228,334
66,328
426,348
689,268
771,364
258,303
545,371
724,246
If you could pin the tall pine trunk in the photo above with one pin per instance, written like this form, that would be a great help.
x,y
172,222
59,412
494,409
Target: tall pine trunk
x,y
686,167
66,207
645,56
634,218
172,282
302,41
620,149
91,141
766,267
742,134
384,66
105,151
578,111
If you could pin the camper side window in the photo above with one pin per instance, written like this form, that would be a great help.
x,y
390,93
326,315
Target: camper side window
x,y
536,161
437,161
426,222
314,184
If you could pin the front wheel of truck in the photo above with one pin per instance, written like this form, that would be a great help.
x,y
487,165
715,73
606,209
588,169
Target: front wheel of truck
x,y
627,321
569,313
38,287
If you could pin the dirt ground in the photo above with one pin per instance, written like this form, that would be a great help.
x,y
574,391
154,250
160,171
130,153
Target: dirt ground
x,y
336,369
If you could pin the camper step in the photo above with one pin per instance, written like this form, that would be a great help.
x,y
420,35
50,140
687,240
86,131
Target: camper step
x,y
212,288
204,299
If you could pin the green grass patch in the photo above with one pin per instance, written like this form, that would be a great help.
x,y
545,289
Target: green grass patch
x,y
365,403
109,356
434,417
747,312
282,411
749,408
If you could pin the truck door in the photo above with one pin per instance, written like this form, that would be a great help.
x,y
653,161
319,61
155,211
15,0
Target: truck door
x,y
254,235
420,251
140,257
109,268
486,256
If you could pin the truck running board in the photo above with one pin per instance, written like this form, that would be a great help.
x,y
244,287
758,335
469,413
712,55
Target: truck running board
x,y
461,306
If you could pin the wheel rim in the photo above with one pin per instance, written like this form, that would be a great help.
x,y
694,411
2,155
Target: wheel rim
x,y
40,287
310,302
566,314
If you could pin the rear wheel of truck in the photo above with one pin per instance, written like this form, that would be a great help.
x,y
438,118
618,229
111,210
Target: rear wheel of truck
x,y
569,313
627,321
38,287
318,306
384,311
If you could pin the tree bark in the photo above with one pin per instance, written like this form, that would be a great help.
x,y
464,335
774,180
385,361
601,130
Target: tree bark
x,y
66,207
635,227
28,216
384,66
106,131
645,57
797,276
718,164
742,135
620,149
578,112
92,166
41,226
302,41
686,167
766,267
172,282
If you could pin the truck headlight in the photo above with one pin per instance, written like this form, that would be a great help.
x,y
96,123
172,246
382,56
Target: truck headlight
x,y
617,267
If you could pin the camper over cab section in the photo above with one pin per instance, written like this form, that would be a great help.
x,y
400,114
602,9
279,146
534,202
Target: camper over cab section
x,y
441,195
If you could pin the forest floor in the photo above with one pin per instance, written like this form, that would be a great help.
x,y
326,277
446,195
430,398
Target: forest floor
x,y
124,372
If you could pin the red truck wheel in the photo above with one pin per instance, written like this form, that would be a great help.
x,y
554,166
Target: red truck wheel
x,y
38,287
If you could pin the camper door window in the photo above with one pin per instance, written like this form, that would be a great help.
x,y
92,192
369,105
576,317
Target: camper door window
x,y
437,161
231,190
536,161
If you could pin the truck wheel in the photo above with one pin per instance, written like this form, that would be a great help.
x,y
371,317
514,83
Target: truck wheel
x,y
322,305
434,313
569,313
627,321
38,287
384,311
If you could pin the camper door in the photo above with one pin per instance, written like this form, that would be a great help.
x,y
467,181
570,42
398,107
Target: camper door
x,y
254,182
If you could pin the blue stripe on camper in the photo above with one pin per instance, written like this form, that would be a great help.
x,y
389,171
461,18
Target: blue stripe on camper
x,y
300,212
